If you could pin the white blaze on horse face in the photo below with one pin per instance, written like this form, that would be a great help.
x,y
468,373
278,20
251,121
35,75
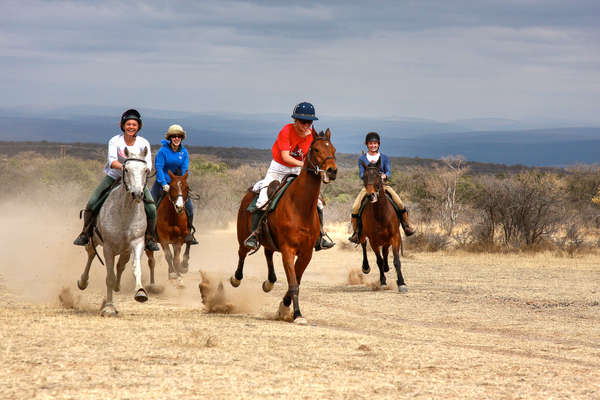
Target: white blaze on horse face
x,y
136,178
179,203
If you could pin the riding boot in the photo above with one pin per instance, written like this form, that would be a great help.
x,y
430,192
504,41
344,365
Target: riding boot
x,y
88,221
189,238
355,238
252,241
408,230
323,242
150,234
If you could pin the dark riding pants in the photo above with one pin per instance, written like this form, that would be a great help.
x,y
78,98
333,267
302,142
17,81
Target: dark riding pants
x,y
97,199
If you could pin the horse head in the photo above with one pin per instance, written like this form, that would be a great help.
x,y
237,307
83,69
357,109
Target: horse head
x,y
135,173
321,156
178,191
372,180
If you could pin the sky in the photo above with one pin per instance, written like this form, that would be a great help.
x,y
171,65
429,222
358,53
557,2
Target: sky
x,y
441,59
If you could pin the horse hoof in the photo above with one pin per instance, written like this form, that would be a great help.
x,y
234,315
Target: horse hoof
x,y
386,268
366,270
235,282
267,286
284,313
82,286
108,310
301,321
179,283
117,289
173,275
402,289
141,296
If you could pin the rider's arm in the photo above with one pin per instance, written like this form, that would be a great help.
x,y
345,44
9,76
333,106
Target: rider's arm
x,y
361,169
285,156
386,166
186,162
113,158
159,164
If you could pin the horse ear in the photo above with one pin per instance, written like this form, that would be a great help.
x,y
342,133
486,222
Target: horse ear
x,y
378,163
315,135
363,163
126,152
144,152
186,174
172,175
328,133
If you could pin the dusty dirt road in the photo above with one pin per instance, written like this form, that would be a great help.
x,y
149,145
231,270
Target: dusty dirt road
x,y
471,326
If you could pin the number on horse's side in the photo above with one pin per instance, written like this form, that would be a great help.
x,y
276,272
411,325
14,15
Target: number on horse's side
x,y
294,224
172,228
381,225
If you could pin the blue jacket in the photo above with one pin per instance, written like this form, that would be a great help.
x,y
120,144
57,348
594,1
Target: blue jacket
x,y
168,160
385,167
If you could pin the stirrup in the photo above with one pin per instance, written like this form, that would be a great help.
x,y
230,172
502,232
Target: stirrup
x,y
355,238
251,242
324,243
151,245
190,239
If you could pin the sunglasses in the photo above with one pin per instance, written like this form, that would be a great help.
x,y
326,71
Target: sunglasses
x,y
177,136
305,122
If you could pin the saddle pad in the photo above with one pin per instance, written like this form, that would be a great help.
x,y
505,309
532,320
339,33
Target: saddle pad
x,y
273,202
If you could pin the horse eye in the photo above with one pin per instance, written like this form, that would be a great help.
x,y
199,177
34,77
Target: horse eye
x,y
316,150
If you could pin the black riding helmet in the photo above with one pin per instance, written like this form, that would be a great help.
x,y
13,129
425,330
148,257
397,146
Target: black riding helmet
x,y
131,114
372,137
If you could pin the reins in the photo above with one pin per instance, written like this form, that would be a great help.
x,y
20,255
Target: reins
x,y
312,167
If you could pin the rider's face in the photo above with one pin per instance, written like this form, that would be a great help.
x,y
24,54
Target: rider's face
x,y
373,146
131,127
303,127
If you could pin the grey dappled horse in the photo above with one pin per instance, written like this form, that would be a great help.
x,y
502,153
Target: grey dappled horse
x,y
120,229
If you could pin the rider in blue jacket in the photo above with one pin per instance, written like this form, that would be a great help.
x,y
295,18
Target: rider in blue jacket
x,y
172,156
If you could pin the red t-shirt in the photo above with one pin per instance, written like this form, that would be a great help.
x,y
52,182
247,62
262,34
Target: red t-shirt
x,y
288,140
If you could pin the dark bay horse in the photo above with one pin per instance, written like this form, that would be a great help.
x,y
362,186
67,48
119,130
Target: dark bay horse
x,y
294,224
172,228
380,224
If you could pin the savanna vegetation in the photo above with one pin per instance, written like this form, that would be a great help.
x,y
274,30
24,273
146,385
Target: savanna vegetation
x,y
455,204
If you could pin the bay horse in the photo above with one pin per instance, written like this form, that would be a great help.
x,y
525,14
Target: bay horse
x,y
172,228
381,225
120,229
294,224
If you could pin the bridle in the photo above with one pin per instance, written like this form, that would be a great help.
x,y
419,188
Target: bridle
x,y
372,173
312,166
179,194
125,171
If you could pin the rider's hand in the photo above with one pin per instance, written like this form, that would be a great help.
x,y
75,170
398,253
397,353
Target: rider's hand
x,y
166,188
383,176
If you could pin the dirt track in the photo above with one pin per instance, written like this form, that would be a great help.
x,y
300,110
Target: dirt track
x,y
485,326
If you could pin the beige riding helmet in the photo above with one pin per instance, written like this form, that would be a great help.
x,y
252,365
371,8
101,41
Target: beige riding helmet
x,y
174,130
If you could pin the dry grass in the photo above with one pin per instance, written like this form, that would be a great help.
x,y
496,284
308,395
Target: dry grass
x,y
471,326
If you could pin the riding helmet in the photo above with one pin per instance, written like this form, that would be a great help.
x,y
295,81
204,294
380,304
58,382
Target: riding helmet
x,y
131,114
174,130
304,111
372,137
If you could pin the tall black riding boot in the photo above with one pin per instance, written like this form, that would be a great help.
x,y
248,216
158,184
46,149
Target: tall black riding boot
x,y
189,238
252,241
323,242
88,221
150,234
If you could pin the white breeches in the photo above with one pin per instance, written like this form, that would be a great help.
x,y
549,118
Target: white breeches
x,y
276,171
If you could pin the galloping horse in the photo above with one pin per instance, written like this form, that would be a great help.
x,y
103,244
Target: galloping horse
x,y
120,229
172,227
380,224
293,225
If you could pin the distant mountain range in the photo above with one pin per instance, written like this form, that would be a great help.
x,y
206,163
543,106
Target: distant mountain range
x,y
493,140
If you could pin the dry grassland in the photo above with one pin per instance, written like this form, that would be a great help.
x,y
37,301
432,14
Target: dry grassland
x,y
471,326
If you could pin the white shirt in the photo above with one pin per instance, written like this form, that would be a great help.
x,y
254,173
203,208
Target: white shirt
x,y
116,152
373,159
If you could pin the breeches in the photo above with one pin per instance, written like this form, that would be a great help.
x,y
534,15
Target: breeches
x,y
276,171
363,193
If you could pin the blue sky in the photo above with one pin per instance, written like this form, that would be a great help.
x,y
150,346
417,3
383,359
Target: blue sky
x,y
442,60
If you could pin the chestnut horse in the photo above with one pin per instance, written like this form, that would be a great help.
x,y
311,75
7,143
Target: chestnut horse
x,y
172,228
294,224
380,224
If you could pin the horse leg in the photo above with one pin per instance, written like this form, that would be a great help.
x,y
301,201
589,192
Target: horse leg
x,y
123,258
237,277
184,267
169,258
82,283
386,251
136,265
376,250
151,265
271,278
177,263
396,252
108,309
365,263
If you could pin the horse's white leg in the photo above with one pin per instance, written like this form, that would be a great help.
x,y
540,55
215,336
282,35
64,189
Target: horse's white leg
x,y
136,266
186,260
123,258
177,263
108,308
82,283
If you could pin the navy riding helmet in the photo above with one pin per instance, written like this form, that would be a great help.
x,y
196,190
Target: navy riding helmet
x,y
304,111
372,137
131,114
